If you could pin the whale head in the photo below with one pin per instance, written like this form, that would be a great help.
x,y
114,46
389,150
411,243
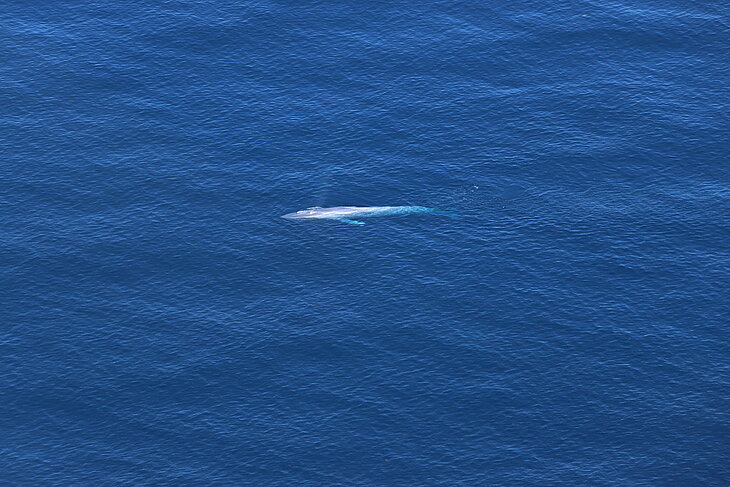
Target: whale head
x,y
302,214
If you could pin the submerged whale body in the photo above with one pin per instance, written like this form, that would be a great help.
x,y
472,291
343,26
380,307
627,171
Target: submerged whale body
x,y
347,213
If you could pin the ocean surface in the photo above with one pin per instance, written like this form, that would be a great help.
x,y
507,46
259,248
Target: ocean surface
x,y
161,325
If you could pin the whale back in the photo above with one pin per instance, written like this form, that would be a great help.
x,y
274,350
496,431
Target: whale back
x,y
345,212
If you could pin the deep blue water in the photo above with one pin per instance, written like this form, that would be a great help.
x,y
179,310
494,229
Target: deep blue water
x,y
162,326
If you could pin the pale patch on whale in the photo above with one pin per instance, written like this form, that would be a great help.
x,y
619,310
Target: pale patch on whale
x,y
347,214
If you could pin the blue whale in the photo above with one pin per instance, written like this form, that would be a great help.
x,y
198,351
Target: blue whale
x,y
347,214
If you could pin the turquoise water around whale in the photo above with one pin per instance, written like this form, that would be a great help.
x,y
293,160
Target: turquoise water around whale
x,y
163,326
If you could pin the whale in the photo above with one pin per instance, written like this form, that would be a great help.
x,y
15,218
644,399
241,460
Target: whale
x,y
348,214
